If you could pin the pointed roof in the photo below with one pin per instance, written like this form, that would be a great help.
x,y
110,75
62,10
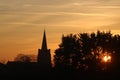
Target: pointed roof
x,y
44,42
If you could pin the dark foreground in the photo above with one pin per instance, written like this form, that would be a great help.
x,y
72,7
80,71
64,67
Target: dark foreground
x,y
36,72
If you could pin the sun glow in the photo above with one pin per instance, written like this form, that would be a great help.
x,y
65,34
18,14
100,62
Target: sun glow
x,y
106,58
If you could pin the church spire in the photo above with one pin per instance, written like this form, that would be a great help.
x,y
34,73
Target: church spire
x,y
44,42
44,56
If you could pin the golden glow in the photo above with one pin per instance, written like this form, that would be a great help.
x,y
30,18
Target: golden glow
x,y
109,57
106,58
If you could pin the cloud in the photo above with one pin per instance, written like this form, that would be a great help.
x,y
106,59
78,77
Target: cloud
x,y
57,6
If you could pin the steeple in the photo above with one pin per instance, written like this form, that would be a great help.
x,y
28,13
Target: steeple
x,y
44,42
44,56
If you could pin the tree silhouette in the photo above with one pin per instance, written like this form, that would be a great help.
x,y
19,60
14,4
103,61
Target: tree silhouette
x,y
94,45
84,51
22,58
25,58
68,53
116,50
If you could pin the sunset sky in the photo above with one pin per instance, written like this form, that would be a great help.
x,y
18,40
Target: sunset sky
x,y
22,22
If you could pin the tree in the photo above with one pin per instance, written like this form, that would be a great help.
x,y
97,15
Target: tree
x,y
25,58
93,46
83,51
68,53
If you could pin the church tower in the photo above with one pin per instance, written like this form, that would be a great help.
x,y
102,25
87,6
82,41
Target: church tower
x,y
44,56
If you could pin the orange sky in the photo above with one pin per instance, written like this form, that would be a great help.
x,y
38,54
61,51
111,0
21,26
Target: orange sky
x,y
22,22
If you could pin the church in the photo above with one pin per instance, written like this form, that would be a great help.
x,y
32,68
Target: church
x,y
44,56
42,67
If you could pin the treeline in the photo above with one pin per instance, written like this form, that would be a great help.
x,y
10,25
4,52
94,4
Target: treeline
x,y
94,56
85,52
